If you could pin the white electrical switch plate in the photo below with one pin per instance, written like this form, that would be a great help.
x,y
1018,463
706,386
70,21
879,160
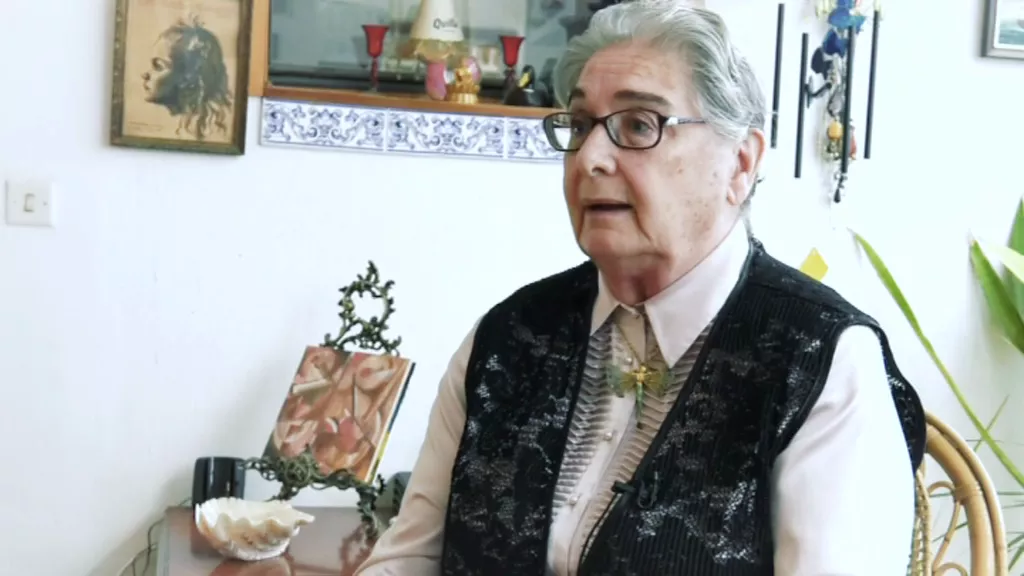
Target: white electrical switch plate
x,y
29,204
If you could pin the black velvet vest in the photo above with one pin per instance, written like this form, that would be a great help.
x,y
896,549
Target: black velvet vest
x,y
698,504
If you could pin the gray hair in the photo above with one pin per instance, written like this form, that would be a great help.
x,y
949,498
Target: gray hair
x,y
728,95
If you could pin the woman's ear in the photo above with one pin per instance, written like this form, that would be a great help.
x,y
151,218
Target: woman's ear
x,y
749,153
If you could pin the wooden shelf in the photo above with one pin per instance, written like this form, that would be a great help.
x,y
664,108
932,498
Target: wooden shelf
x,y
401,102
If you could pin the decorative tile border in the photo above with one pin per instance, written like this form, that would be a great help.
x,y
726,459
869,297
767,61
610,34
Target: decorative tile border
x,y
391,130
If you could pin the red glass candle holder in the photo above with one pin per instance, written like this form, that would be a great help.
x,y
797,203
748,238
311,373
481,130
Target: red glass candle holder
x,y
510,52
375,47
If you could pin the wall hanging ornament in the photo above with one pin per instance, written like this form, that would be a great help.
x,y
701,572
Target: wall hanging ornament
x,y
831,67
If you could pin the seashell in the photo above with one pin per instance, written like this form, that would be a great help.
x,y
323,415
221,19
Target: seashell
x,y
249,530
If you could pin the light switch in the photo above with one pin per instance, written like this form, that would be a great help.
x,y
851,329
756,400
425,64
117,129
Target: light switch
x,y
29,204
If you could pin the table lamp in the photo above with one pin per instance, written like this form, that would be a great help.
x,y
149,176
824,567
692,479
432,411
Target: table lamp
x,y
436,33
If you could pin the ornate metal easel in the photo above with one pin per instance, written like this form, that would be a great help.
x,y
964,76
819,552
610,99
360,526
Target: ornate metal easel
x,y
303,471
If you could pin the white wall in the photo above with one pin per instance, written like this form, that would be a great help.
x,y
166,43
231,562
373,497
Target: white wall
x,y
163,316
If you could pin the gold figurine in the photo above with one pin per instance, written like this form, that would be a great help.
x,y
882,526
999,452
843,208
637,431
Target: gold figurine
x,y
463,90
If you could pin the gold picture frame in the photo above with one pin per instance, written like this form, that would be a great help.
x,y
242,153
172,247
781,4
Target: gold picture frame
x,y
181,75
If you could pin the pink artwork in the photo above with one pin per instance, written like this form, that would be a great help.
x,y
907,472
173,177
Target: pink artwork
x,y
341,406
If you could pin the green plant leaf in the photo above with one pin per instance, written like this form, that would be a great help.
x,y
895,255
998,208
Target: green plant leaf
x,y
992,422
1000,302
894,290
1013,283
1016,555
1012,260
1016,547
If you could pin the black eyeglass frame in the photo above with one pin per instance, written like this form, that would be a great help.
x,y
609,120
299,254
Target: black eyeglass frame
x,y
548,124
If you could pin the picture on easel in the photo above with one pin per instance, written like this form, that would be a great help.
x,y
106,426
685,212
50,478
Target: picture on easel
x,y
341,406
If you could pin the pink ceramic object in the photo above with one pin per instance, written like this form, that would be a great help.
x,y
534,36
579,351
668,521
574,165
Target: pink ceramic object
x,y
436,82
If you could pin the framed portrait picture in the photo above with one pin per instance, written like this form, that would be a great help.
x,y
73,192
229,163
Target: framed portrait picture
x,y
1004,29
181,74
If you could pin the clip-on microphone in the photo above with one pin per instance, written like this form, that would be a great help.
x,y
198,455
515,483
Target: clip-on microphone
x,y
645,494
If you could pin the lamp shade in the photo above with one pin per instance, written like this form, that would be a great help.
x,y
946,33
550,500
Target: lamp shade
x,y
436,20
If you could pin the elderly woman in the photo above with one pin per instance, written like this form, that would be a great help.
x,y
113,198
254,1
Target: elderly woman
x,y
681,403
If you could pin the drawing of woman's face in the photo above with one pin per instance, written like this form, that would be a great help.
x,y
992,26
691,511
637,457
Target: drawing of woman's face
x,y
153,79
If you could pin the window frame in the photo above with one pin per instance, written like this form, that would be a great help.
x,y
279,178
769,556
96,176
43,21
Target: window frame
x,y
259,51
261,87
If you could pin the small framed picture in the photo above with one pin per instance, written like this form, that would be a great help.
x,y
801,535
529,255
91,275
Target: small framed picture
x,y
181,75
1004,29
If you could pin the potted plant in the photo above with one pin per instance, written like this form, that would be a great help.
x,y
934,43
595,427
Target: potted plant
x,y
1004,294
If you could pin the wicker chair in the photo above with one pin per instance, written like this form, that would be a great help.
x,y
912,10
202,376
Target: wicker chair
x,y
974,501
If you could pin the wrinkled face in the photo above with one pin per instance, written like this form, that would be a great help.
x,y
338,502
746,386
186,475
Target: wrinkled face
x,y
662,205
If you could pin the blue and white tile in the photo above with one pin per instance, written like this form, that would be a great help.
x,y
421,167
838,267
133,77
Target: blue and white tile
x,y
525,140
323,125
448,134
341,127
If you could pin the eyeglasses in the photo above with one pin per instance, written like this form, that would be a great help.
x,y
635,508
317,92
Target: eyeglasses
x,y
632,129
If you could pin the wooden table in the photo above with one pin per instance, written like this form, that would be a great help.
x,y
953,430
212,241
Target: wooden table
x,y
333,545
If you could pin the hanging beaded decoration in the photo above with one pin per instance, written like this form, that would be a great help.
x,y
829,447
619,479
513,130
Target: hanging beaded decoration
x,y
832,63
